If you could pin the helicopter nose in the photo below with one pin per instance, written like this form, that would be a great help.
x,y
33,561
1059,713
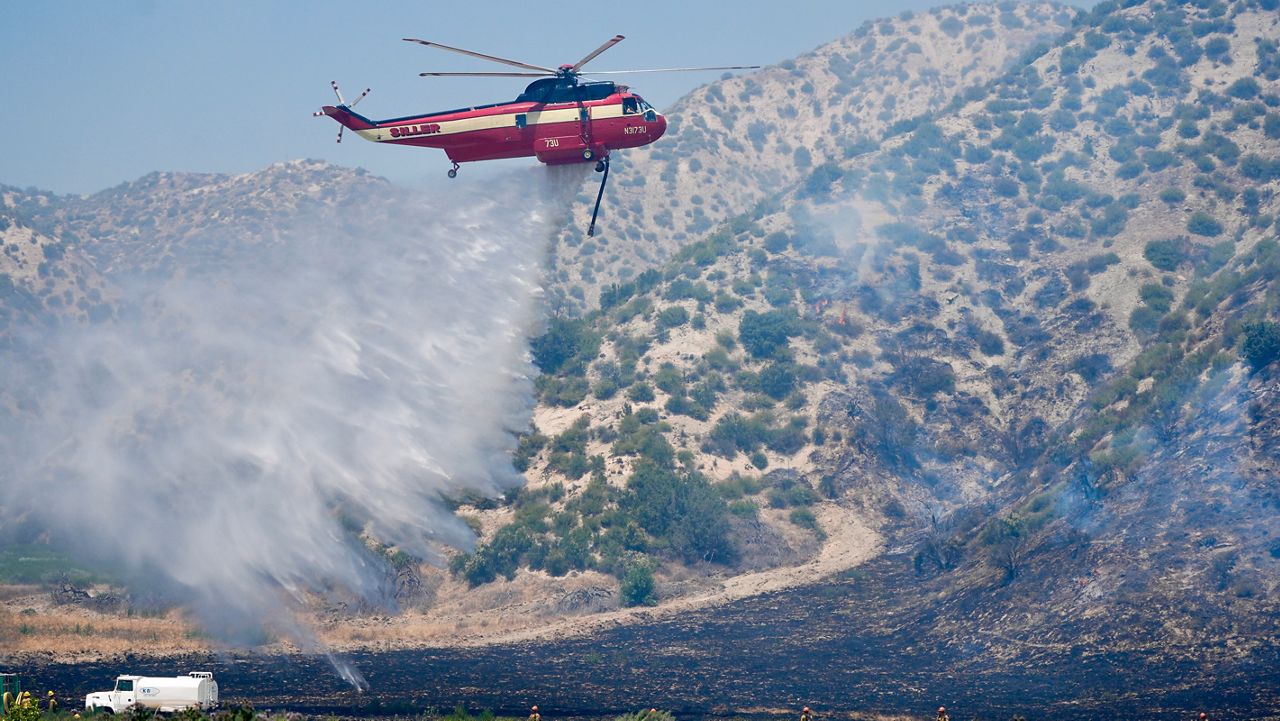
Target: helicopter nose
x,y
662,126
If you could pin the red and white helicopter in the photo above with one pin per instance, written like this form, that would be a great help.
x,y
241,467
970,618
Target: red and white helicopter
x,y
558,119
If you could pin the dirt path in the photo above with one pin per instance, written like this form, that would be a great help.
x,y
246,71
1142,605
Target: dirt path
x,y
850,542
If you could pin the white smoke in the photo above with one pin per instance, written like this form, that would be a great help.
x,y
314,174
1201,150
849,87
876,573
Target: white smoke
x,y
220,436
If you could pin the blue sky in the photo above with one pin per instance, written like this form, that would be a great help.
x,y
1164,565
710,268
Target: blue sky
x,y
103,92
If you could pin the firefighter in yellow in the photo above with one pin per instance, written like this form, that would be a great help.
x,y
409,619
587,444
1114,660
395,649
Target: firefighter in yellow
x,y
53,702
535,716
942,714
806,714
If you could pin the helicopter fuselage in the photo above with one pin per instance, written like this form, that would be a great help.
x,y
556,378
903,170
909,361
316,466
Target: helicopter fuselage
x,y
555,120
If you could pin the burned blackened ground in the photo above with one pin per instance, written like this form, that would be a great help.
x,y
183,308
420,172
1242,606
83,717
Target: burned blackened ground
x,y
842,646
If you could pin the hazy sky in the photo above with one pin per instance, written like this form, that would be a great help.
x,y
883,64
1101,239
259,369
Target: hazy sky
x,y
103,92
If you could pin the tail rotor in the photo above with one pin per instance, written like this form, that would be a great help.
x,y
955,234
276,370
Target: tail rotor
x,y
342,103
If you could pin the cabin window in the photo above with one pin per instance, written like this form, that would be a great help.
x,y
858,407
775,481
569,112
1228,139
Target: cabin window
x,y
522,120
597,91
630,106
124,684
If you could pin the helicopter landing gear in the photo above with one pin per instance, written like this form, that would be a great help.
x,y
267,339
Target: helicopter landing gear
x,y
588,154
602,167
453,172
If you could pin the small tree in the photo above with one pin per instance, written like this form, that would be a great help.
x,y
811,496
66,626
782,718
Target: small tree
x,y
1204,224
765,334
638,587
1261,345
1009,545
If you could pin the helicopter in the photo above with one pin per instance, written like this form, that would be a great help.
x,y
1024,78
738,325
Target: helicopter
x,y
560,118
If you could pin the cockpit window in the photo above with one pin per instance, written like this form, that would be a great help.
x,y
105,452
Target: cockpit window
x,y
124,684
630,106
644,105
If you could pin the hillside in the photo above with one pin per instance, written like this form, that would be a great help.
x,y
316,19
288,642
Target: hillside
x,y
735,142
1010,337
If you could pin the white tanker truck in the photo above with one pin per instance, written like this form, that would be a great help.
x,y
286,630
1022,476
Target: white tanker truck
x,y
165,694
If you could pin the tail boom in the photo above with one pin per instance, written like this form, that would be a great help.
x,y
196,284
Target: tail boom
x,y
347,118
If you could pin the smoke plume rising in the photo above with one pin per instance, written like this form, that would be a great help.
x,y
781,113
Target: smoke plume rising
x,y
229,431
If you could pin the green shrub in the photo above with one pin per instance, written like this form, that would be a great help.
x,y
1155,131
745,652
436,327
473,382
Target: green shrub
x,y
1166,254
787,438
638,587
1173,196
977,154
1261,344
566,346
1129,170
819,183
1217,48
1205,225
737,486
765,335
672,317
778,379
1244,89
922,376
805,518
641,392
1157,297
791,492
1006,187
1073,56
562,391
1220,147
1271,126
1110,221
683,512
640,434
888,431
989,343
777,242
1092,367
735,432
1260,169
528,447
1157,160
685,289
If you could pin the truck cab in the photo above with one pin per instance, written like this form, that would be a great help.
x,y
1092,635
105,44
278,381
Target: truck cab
x,y
123,696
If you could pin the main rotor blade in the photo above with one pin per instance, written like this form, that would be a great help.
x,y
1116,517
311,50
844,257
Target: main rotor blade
x,y
608,44
670,70
486,75
482,56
